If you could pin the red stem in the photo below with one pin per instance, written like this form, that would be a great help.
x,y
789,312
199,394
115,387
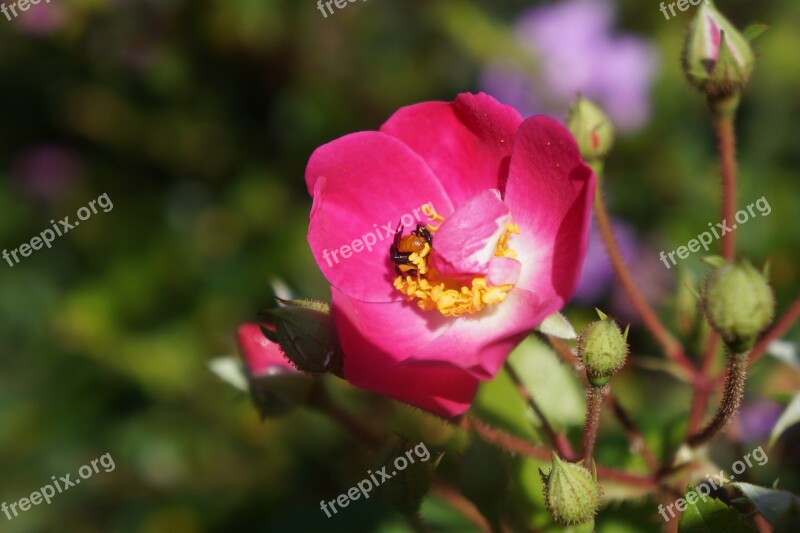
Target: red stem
x,y
523,447
558,440
594,402
670,346
726,142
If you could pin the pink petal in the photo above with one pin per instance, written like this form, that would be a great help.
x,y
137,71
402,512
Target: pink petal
x,y
261,356
403,333
362,185
503,270
467,143
466,242
550,193
443,390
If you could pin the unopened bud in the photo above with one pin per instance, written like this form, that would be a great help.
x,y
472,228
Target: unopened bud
x,y
717,58
305,331
592,129
571,492
274,384
602,348
738,303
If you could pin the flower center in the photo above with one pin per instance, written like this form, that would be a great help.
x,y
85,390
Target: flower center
x,y
451,298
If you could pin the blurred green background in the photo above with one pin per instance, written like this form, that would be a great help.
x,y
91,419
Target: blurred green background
x,y
197,119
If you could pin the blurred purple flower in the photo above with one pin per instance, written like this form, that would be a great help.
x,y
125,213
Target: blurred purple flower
x,y
44,171
598,274
576,52
42,19
654,281
756,419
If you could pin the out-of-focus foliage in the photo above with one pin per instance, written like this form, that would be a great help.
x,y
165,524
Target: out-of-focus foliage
x,y
197,118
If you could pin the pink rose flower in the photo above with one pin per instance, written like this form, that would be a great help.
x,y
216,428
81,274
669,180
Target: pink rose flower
x,y
507,202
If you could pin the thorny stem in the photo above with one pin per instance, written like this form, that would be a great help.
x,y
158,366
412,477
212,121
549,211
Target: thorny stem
x,y
594,402
634,435
558,440
321,401
703,385
522,447
670,346
731,399
462,504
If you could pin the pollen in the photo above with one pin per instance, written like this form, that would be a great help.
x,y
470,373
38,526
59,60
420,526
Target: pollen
x,y
451,299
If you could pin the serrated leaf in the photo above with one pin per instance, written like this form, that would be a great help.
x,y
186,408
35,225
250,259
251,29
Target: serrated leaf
x,y
229,369
770,502
790,417
709,515
754,31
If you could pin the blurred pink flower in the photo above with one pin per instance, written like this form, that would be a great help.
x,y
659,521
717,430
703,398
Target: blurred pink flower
x,y
44,171
42,19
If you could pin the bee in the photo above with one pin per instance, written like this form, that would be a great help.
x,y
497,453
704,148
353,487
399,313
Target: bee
x,y
403,247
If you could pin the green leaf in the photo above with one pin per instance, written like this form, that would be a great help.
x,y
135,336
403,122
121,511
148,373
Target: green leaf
x,y
709,515
554,385
790,417
229,369
770,502
754,31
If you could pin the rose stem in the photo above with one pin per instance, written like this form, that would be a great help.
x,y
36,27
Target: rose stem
x,y
634,435
558,440
724,127
594,402
732,395
522,447
670,346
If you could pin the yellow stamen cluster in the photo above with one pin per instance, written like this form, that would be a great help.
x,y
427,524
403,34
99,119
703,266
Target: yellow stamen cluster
x,y
450,300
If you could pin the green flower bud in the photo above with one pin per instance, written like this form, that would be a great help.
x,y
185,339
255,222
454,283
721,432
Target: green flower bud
x,y
717,58
602,348
305,331
738,303
571,492
592,129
